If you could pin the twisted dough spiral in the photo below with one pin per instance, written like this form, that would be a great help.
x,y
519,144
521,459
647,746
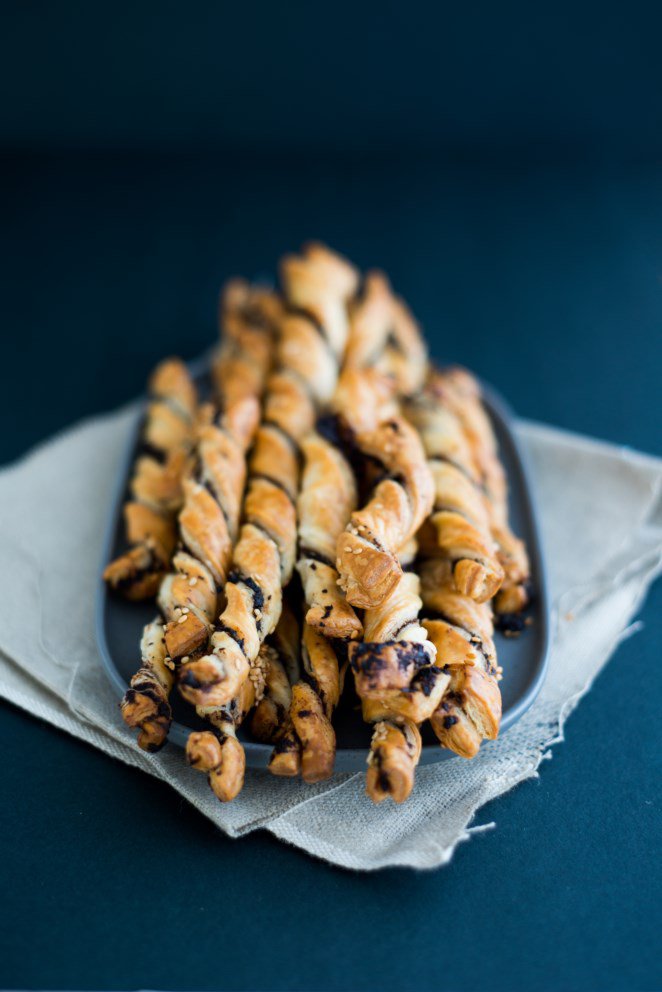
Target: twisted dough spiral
x,y
462,630
367,558
208,525
310,347
399,684
462,394
459,516
156,485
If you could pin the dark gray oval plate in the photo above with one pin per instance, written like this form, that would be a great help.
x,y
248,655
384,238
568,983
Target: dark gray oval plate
x,y
119,623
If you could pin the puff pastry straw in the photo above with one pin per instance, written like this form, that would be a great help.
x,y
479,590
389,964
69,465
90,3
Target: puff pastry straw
x,y
399,684
312,338
462,394
462,630
268,692
367,552
385,337
156,485
460,518
327,497
208,523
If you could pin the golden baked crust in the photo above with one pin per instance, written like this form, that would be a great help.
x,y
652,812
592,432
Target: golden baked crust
x,y
460,516
384,336
367,558
326,500
313,332
248,317
461,393
394,753
145,704
462,631
398,681
156,484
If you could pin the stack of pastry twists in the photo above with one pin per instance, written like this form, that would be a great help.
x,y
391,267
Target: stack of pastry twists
x,y
156,485
313,332
328,496
342,507
208,523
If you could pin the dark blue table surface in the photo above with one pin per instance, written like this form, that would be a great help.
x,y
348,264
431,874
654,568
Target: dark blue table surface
x,y
549,284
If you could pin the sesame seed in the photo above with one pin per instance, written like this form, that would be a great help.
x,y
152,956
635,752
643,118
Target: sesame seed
x,y
182,619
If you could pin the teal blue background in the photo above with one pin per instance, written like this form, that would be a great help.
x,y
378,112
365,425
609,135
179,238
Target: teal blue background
x,y
503,164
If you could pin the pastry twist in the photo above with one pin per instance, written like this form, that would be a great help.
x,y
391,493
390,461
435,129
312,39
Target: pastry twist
x,y
399,684
384,336
187,596
248,316
326,500
462,630
267,690
156,485
459,517
311,342
367,559
208,523
462,394
145,704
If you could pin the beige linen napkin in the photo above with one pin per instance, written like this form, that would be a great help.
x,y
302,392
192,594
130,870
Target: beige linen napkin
x,y
602,529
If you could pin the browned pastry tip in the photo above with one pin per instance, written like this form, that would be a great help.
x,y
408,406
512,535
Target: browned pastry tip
x,y
144,525
370,322
405,355
137,573
224,760
203,750
285,761
248,317
315,732
394,754
469,713
145,704
171,380
337,272
476,579
271,712
320,282
158,484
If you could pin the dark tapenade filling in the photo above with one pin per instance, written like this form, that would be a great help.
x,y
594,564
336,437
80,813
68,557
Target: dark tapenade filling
x,y
306,552
159,455
274,482
235,576
223,628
